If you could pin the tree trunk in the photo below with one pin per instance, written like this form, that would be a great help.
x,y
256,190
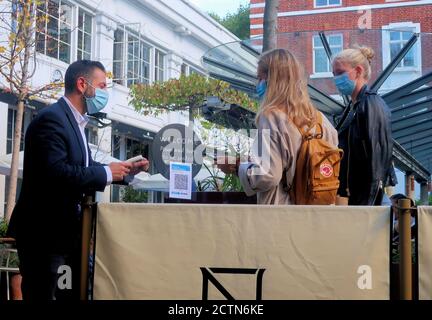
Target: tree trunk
x,y
13,178
27,34
270,25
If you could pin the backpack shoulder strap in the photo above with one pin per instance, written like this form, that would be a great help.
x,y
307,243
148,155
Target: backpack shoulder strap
x,y
318,123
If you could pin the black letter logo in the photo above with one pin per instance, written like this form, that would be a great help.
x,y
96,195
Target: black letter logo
x,y
207,274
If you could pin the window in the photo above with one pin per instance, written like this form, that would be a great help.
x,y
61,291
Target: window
x,y
159,65
394,38
398,39
136,147
16,8
131,62
138,61
184,69
118,56
145,63
116,142
11,131
187,70
327,3
196,71
133,52
85,22
53,36
92,135
321,61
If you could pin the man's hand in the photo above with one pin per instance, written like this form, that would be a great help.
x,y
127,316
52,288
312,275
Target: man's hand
x,y
137,167
119,170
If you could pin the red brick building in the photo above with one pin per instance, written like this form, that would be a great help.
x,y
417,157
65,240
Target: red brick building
x,y
384,25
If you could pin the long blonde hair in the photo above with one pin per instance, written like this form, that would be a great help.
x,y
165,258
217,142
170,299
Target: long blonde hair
x,y
286,87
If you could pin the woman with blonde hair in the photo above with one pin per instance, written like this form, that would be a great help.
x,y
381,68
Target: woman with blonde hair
x,y
364,131
285,107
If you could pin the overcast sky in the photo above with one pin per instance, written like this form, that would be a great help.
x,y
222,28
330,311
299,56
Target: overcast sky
x,y
221,7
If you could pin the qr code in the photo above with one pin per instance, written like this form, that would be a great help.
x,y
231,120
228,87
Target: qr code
x,y
180,181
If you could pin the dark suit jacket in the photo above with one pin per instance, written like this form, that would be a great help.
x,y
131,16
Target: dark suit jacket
x,y
55,179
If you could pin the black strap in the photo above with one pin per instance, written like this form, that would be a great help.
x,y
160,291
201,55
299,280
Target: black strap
x,y
344,117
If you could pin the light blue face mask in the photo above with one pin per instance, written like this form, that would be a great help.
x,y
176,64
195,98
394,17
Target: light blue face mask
x,y
344,84
98,102
261,88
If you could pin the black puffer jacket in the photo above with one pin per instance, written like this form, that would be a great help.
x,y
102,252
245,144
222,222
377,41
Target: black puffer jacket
x,y
365,137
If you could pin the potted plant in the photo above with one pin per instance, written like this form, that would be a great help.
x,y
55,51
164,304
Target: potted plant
x,y
15,278
128,194
227,189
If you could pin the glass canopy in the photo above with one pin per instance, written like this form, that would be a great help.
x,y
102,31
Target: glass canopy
x,y
401,74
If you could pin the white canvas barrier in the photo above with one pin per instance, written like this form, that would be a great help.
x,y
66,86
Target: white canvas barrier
x,y
196,252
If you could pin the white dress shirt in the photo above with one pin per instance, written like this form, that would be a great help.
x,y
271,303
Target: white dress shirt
x,y
82,121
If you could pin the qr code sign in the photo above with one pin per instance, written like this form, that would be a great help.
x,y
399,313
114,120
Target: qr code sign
x,y
180,181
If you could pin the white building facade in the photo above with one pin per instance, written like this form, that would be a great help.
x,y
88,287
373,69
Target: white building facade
x,y
138,41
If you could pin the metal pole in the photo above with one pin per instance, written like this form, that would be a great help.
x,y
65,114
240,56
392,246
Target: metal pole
x,y
409,186
85,246
405,263
424,194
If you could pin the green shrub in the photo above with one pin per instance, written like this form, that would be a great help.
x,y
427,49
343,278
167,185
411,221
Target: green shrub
x,y
134,196
13,262
3,228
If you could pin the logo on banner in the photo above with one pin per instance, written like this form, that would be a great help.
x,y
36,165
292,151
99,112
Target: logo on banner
x,y
209,275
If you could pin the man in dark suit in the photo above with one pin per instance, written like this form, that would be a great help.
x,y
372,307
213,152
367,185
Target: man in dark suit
x,y
58,172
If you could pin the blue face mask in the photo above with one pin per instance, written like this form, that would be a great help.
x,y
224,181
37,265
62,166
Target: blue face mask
x,y
261,88
344,84
98,102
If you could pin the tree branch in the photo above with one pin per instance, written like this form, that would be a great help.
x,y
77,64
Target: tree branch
x,y
8,79
48,87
